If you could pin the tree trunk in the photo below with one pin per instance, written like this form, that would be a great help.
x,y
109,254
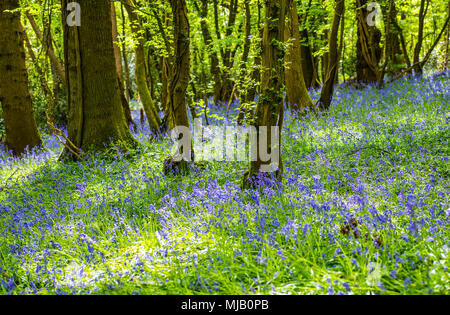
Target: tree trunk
x,y
15,98
50,51
310,74
326,95
270,108
418,69
140,72
129,88
368,48
447,39
296,91
95,109
256,73
214,58
119,68
394,52
227,84
179,81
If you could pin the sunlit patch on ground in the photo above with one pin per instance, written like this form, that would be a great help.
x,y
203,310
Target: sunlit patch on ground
x,y
364,208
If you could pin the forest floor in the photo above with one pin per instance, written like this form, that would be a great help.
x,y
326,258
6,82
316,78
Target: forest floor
x,y
364,208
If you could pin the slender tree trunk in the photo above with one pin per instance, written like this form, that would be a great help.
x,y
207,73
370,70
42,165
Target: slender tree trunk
x,y
165,71
95,109
270,109
15,98
328,87
119,68
140,72
341,47
310,74
50,51
227,84
214,58
418,69
244,90
296,91
129,88
447,39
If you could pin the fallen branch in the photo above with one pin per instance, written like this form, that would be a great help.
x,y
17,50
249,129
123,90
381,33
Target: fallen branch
x,y
367,148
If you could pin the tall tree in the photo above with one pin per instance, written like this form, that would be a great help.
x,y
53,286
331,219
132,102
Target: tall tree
x,y
310,74
326,95
95,109
214,58
424,5
119,67
179,81
227,84
296,91
15,98
270,108
141,72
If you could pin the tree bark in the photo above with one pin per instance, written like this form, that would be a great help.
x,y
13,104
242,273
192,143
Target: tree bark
x,y
368,48
310,74
129,88
179,81
326,95
15,98
96,114
296,91
214,58
270,108
256,73
227,84
119,68
140,72
418,69
447,39
394,53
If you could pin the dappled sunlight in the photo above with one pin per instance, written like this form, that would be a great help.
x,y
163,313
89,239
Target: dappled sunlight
x,y
119,225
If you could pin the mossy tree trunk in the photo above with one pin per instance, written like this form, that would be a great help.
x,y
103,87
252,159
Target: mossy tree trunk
x,y
15,98
96,114
179,81
270,108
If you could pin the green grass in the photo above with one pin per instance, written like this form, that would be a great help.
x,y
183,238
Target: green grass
x,y
119,226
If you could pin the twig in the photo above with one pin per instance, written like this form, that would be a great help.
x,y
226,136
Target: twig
x,y
367,148
8,179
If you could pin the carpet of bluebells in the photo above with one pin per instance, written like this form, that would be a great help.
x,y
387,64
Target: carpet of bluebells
x,y
364,209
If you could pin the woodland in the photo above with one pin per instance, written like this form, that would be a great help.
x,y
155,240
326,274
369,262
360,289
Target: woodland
x,y
343,188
